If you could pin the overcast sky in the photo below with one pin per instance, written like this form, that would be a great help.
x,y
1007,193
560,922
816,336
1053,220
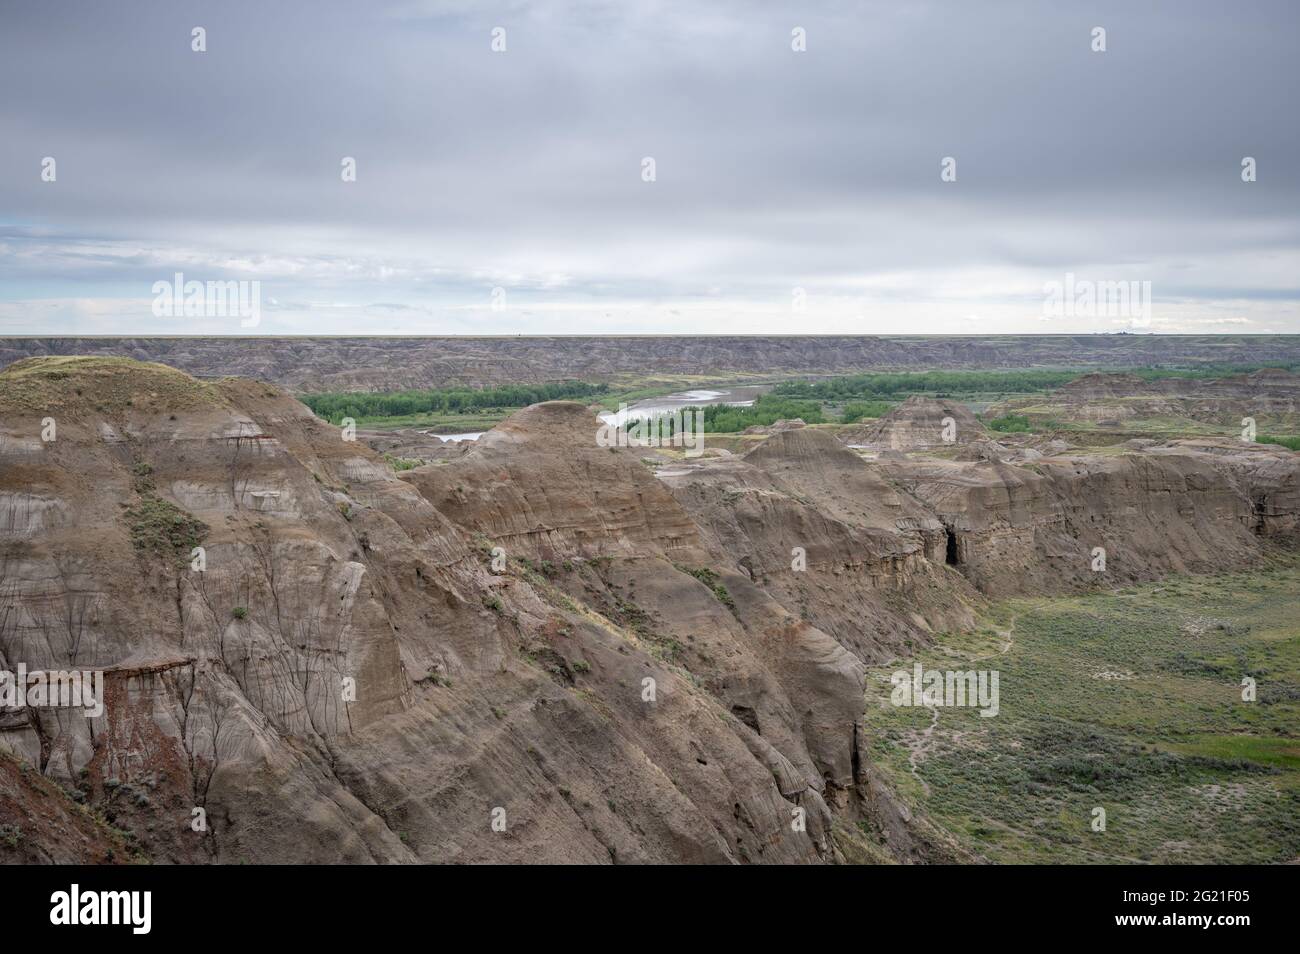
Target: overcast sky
x,y
775,170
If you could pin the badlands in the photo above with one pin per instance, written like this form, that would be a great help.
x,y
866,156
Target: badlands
x,y
537,649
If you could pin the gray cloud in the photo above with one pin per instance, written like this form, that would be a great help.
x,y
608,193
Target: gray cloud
x,y
775,169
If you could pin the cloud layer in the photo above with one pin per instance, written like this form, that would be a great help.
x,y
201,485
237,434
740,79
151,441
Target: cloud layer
x,y
775,170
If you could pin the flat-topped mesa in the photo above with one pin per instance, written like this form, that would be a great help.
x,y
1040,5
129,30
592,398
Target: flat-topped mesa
x,y
919,423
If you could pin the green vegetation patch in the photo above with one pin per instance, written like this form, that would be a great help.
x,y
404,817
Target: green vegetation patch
x,y
1009,424
1292,443
766,409
725,418
711,579
1129,701
982,387
402,463
855,411
411,406
160,527
942,383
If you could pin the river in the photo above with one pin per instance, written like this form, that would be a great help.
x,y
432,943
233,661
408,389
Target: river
x,y
657,406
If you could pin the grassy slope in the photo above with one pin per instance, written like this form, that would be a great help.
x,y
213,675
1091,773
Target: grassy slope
x,y
108,385
1129,701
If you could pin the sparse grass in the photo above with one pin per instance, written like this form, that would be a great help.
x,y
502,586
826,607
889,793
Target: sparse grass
x,y
1009,424
1129,701
402,463
106,385
710,579
160,527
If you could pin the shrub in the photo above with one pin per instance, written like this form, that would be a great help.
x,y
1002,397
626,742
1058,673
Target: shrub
x,y
1011,423
710,579
1293,443
402,463
766,409
159,526
855,411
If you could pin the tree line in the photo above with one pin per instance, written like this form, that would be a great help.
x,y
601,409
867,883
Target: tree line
x,y
950,383
333,406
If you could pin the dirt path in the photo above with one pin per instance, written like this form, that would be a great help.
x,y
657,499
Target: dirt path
x,y
1009,634
916,752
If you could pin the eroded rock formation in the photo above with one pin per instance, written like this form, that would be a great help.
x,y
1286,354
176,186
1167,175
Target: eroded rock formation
x,y
535,650
1271,397
919,423
301,364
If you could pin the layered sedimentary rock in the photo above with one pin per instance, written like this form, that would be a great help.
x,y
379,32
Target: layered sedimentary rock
x,y
1175,508
832,538
602,530
302,364
541,649
919,423
1270,396
348,679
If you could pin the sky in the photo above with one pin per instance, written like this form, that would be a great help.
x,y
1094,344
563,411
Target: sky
x,y
800,181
